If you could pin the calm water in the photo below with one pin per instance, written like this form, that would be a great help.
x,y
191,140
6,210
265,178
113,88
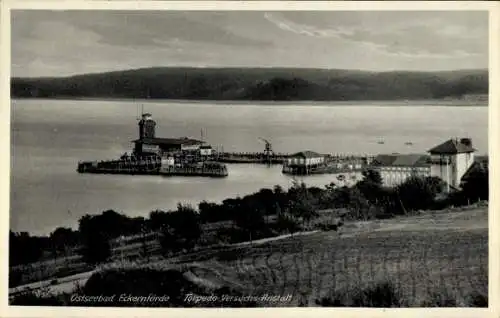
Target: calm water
x,y
50,137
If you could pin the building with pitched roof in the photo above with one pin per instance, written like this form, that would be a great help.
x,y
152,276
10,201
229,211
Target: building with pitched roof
x,y
451,160
303,162
394,169
148,144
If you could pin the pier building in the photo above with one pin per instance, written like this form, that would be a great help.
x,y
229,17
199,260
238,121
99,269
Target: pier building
x,y
160,146
206,150
303,162
160,156
148,144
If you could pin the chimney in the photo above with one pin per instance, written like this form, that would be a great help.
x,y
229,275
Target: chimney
x,y
466,142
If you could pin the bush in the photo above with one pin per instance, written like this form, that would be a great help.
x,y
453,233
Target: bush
x,y
287,223
327,227
440,298
139,282
176,283
96,248
32,299
417,193
477,299
24,248
179,229
381,294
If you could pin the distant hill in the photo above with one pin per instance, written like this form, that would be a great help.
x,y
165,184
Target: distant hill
x,y
257,84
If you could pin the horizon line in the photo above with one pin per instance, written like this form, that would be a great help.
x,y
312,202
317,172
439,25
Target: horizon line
x,y
249,67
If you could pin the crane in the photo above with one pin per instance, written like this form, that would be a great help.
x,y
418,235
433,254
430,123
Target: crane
x,y
268,150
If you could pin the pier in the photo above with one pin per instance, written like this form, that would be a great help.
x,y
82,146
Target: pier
x,y
280,158
152,166
250,157
152,155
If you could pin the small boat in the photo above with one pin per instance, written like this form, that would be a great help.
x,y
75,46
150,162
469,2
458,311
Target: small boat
x,y
381,142
408,143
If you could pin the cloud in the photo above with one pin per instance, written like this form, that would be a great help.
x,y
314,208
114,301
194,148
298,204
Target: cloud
x,y
402,40
147,27
58,43
307,30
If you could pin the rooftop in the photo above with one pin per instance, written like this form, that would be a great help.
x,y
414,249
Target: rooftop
x,y
401,160
453,146
307,154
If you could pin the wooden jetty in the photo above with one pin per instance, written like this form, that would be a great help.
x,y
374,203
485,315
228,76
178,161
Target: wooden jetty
x,y
309,162
250,157
324,169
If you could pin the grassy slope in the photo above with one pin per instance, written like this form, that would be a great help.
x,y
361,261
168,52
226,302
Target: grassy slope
x,y
435,252
444,252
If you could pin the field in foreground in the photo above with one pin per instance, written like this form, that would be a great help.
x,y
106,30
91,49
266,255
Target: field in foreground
x,y
434,259
436,253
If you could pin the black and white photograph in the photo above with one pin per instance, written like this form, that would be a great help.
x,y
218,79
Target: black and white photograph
x,y
249,158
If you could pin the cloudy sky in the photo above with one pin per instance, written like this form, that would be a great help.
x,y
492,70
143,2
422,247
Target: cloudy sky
x,y
58,43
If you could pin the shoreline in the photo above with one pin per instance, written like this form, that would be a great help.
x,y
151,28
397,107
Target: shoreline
x,y
391,103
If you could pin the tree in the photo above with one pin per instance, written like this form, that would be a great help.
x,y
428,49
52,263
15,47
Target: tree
x,y
358,206
62,238
24,248
250,218
301,202
281,196
209,211
287,222
417,193
476,186
187,224
180,229
372,176
267,199
95,240
96,248
371,185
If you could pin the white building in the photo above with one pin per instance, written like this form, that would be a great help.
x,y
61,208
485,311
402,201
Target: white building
x,y
394,169
448,161
206,150
451,160
302,162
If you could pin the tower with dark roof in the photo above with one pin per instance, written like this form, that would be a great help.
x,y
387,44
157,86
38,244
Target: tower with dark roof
x,y
147,127
451,160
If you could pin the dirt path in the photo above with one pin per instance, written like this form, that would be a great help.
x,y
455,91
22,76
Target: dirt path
x,y
67,284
